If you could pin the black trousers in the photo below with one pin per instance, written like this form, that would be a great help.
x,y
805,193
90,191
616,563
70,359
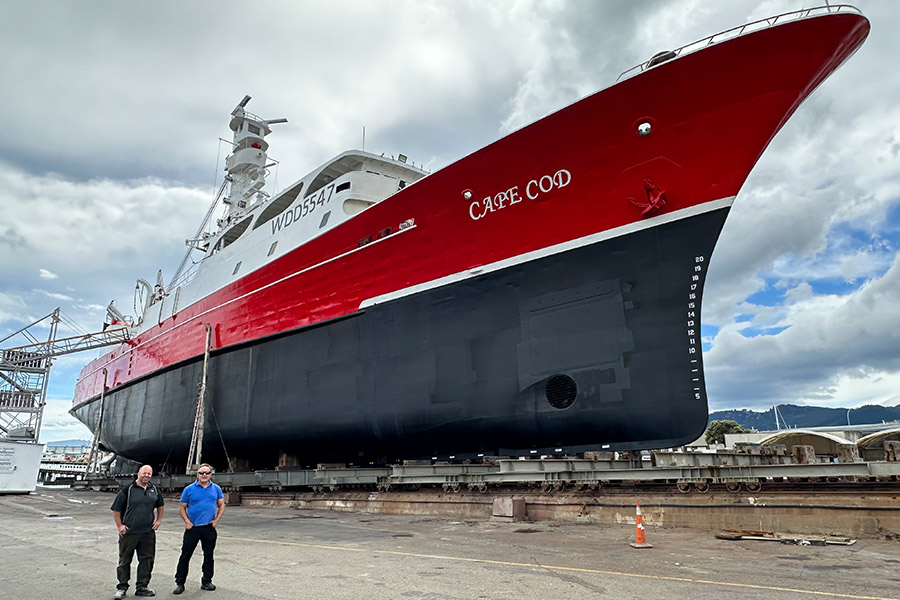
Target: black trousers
x,y
206,535
145,546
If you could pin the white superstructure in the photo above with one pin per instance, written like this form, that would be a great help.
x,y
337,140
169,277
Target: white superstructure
x,y
257,228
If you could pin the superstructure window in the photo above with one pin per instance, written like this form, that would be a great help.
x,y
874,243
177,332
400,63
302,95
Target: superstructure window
x,y
235,232
278,205
236,268
253,128
343,187
272,249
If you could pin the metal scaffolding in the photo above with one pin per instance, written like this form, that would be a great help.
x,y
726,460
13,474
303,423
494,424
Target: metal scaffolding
x,y
25,371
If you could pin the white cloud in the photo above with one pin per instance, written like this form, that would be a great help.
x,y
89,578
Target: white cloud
x,y
96,235
832,340
45,274
94,307
54,295
863,386
58,424
12,309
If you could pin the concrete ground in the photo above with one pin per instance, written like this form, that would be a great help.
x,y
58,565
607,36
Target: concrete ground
x,y
61,544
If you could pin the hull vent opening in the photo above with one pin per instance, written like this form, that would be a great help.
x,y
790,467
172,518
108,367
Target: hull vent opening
x,y
561,391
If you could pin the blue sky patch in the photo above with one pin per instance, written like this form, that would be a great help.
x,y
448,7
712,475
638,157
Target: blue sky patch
x,y
752,332
836,287
770,295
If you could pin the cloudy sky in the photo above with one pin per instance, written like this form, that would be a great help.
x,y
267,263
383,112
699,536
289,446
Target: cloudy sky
x,y
110,155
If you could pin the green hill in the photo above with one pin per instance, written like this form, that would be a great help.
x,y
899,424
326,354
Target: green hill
x,y
790,415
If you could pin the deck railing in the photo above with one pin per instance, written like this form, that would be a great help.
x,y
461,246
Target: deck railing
x,y
743,29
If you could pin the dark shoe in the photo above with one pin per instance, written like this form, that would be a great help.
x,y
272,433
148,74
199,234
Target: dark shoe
x,y
208,586
120,594
144,592
178,588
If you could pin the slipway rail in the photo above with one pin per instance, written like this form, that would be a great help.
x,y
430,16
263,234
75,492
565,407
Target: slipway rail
x,y
693,472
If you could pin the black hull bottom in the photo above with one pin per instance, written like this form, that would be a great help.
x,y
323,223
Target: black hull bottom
x,y
591,347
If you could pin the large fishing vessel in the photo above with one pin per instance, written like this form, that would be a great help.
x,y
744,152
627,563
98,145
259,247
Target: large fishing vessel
x,y
541,294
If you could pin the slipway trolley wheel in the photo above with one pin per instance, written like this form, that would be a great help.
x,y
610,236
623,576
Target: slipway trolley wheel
x,y
753,486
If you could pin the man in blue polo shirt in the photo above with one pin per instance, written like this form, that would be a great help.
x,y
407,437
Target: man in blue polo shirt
x,y
202,505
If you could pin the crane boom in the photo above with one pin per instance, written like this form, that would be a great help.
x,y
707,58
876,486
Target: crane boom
x,y
52,348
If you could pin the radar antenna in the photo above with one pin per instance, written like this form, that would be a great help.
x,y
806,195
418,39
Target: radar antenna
x,y
241,105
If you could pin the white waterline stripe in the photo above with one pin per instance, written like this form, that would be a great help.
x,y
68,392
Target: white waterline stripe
x,y
551,250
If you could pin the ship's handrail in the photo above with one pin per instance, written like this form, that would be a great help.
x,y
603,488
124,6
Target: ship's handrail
x,y
741,30
187,274
252,117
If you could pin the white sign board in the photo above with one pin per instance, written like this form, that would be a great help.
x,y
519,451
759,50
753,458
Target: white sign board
x,y
19,464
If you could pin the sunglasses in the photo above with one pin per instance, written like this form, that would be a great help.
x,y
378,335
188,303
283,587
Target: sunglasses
x,y
204,472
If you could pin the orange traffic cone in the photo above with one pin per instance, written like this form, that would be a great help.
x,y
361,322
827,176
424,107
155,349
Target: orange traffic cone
x,y
640,540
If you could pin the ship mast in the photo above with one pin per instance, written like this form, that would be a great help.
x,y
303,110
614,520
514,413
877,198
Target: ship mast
x,y
246,165
247,171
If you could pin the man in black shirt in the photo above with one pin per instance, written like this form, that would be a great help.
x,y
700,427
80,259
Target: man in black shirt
x,y
133,513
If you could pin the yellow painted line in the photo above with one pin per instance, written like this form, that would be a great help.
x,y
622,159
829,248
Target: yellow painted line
x,y
556,568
